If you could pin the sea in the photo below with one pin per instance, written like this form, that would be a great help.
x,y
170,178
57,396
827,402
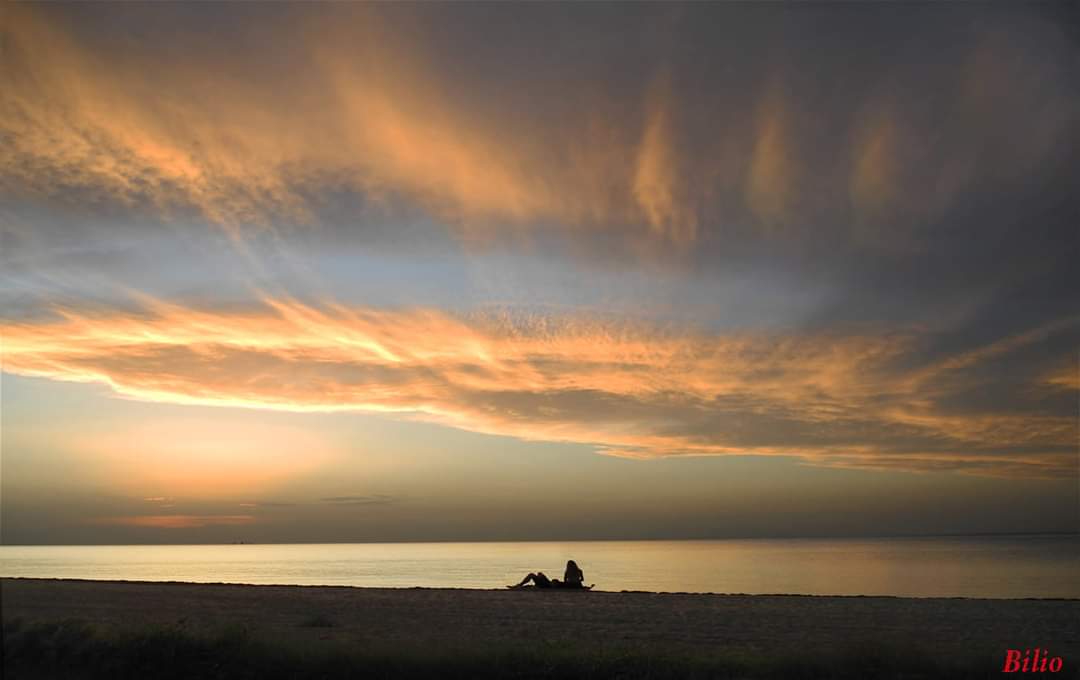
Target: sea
x,y
1029,566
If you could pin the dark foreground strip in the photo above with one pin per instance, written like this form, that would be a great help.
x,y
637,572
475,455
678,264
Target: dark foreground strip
x,y
73,649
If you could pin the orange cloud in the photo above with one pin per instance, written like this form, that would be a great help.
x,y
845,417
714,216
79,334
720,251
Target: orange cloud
x,y
875,187
1067,376
369,115
657,184
626,388
771,179
359,103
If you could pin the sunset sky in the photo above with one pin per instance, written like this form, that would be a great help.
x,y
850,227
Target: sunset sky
x,y
350,272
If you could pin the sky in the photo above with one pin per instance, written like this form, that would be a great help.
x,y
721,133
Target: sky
x,y
364,272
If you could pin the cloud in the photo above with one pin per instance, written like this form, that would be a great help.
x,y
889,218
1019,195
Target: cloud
x,y
174,521
773,166
1067,376
656,183
864,398
370,499
729,139
374,120
391,107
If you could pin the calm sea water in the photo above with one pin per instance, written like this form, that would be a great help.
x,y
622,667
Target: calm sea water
x,y
999,567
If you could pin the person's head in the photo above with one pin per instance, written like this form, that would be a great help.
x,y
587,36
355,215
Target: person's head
x,y
572,568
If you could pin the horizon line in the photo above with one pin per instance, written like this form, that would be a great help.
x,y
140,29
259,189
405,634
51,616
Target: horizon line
x,y
1074,532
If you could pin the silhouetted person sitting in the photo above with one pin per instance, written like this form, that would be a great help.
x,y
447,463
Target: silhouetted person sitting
x,y
573,578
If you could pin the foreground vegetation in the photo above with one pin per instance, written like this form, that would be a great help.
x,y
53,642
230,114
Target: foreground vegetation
x,y
74,649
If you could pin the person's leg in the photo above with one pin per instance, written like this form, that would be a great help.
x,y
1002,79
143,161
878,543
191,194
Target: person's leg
x,y
530,577
541,580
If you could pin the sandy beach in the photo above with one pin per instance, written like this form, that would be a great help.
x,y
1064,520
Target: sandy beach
x,y
679,623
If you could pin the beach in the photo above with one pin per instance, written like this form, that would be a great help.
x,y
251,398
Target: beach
x,y
939,631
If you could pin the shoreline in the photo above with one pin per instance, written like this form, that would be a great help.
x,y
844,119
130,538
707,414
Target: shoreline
x,y
499,590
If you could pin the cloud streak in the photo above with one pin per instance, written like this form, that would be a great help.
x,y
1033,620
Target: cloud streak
x,y
174,521
863,398
377,110
371,499
375,122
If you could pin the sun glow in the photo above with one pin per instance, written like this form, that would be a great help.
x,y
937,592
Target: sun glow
x,y
202,458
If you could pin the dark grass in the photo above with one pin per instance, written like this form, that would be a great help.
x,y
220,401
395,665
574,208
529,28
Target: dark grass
x,y
73,649
319,620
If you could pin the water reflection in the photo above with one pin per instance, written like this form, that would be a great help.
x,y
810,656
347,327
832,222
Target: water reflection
x,y
1014,566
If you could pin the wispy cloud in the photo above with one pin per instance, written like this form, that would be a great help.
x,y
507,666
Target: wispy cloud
x,y
1067,376
369,499
174,521
373,110
377,124
855,399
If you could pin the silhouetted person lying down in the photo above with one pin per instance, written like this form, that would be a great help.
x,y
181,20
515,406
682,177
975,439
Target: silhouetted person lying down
x,y
573,578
